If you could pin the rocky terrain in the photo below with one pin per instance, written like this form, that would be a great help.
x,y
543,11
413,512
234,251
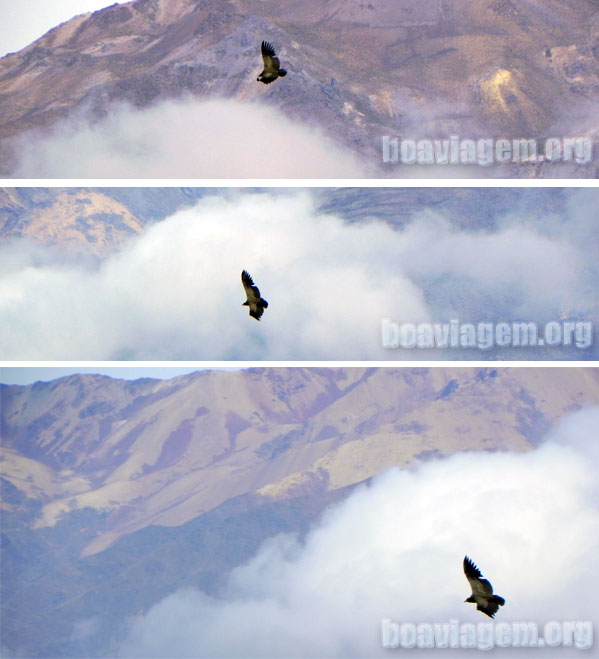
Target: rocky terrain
x,y
358,70
114,492
86,221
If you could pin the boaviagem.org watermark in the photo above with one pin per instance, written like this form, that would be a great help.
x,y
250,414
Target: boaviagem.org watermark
x,y
486,635
457,150
484,335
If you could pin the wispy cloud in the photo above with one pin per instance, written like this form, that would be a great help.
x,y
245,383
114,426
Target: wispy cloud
x,y
183,139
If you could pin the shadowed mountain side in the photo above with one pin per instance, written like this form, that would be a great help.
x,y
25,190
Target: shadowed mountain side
x,y
357,70
468,208
47,587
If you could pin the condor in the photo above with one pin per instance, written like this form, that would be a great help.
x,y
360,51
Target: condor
x,y
252,293
272,69
482,590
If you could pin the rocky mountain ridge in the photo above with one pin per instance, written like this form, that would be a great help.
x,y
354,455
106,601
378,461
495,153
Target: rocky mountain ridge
x,y
164,452
358,70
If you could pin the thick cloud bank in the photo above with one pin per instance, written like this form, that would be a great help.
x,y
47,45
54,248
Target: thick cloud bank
x,y
184,139
395,549
174,292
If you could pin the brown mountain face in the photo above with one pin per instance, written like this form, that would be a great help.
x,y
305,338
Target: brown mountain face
x,y
165,452
95,221
117,493
358,70
76,220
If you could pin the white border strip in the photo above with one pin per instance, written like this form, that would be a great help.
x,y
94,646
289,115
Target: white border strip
x,y
296,364
300,183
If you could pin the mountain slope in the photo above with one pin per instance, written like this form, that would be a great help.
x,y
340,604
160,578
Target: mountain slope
x,y
165,452
357,70
82,221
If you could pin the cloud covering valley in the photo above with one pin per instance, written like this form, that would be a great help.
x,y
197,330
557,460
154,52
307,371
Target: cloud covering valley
x,y
394,550
174,291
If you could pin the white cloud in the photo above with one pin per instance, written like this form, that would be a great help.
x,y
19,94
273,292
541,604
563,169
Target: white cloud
x,y
26,20
174,292
395,549
184,139
518,259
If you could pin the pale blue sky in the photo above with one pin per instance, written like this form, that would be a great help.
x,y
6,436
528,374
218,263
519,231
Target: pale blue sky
x,y
29,374
24,21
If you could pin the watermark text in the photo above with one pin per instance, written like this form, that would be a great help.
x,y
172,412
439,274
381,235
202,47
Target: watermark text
x,y
457,150
485,335
486,635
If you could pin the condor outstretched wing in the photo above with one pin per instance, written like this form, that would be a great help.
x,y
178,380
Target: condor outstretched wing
x,y
256,303
271,61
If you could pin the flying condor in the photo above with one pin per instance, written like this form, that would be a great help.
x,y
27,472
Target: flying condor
x,y
254,301
482,590
271,69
